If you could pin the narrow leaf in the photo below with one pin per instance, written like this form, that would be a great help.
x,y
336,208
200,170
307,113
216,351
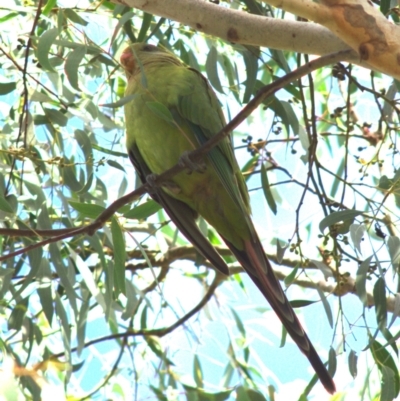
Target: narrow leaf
x,y
87,209
146,21
267,190
120,102
326,271
332,363
143,211
361,279
197,372
380,302
72,63
352,361
280,250
74,17
336,217
212,69
160,110
396,309
43,48
7,87
119,256
56,117
326,305
393,244
126,17
390,380
357,232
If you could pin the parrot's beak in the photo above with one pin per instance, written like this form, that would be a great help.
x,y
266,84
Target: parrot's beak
x,y
127,60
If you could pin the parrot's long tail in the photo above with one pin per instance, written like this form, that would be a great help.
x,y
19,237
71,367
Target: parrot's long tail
x,y
256,264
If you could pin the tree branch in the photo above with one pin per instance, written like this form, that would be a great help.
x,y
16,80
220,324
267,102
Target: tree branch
x,y
241,27
162,331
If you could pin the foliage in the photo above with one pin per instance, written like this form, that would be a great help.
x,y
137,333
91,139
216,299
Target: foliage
x,y
128,309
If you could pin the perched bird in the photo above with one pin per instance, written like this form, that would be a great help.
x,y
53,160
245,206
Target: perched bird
x,y
217,191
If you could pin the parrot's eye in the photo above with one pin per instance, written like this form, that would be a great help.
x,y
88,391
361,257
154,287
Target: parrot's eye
x,y
149,48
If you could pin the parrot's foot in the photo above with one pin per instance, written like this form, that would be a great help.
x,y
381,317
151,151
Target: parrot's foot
x,y
170,185
184,161
151,181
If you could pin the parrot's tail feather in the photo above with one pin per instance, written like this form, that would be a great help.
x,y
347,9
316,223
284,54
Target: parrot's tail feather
x,y
254,261
184,218
181,214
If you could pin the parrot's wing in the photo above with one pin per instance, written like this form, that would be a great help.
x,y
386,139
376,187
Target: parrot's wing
x,y
199,109
183,216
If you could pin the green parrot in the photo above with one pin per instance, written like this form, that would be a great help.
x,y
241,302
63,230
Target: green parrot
x,y
217,191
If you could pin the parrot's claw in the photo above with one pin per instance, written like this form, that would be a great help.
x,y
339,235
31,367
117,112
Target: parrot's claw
x,y
184,161
151,181
153,187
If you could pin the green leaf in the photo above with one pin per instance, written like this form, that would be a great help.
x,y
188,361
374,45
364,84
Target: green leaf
x,y
393,244
46,300
248,394
289,118
48,7
380,302
126,17
352,362
198,394
160,110
5,206
396,309
120,102
197,372
239,323
119,256
143,211
336,217
43,48
74,17
290,277
332,363
361,279
250,57
87,209
300,303
357,232
17,315
56,117
65,327
108,151
7,87
327,307
212,69
132,300
280,251
115,164
267,190
326,271
390,383
88,278
72,63
384,6
146,21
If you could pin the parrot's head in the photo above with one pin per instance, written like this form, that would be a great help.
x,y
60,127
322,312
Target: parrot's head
x,y
146,54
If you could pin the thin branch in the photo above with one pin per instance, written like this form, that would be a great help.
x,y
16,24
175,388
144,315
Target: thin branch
x,y
163,331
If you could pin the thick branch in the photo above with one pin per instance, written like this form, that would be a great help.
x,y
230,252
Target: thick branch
x,y
241,27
